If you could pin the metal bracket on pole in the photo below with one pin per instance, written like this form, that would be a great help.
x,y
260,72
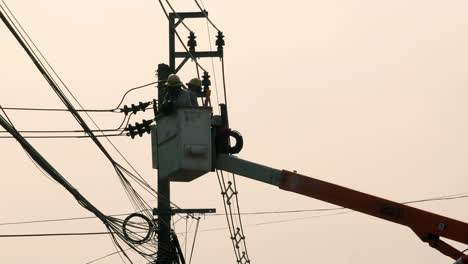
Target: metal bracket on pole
x,y
175,19
174,211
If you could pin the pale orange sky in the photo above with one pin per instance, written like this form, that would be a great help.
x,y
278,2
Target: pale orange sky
x,y
367,94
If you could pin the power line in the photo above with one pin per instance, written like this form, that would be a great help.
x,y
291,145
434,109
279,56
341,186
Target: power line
x,y
181,20
106,256
120,128
211,49
178,35
133,89
54,220
57,109
55,234
65,131
114,110
206,14
62,137
107,233
112,224
442,198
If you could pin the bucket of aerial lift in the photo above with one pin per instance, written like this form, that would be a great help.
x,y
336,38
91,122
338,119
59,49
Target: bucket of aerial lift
x,y
182,144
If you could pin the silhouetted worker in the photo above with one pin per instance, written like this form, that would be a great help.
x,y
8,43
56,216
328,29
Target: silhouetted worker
x,y
175,96
195,90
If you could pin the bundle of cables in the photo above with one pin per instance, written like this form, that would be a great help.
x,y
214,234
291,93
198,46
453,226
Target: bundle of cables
x,y
137,230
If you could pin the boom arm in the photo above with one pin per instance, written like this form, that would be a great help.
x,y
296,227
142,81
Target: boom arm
x,y
427,226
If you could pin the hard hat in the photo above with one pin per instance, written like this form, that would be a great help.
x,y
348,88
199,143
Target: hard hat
x,y
173,81
195,82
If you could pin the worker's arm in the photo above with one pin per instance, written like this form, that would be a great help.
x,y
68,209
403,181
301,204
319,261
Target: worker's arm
x,y
428,226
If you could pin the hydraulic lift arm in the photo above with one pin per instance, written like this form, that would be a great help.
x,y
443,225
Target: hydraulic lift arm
x,y
428,226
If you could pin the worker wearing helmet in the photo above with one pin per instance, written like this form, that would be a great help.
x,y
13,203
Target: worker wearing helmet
x,y
176,96
194,88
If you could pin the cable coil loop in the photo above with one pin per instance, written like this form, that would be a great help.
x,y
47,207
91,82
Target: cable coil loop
x,y
239,142
148,236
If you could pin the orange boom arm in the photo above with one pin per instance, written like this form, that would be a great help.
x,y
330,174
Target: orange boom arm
x,y
428,226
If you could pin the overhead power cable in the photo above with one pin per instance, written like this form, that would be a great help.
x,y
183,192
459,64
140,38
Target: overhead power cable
x,y
107,233
133,89
203,10
136,200
75,137
58,109
178,35
112,224
55,234
115,110
441,198
211,49
120,128
106,256
64,131
181,20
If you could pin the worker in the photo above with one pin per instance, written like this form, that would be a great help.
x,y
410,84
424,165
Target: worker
x,y
176,96
194,88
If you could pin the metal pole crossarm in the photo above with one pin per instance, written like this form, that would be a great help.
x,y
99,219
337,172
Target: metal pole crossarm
x,y
199,54
184,15
175,19
174,211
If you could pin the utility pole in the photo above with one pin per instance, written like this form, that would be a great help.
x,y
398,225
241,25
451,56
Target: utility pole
x,y
164,253
167,246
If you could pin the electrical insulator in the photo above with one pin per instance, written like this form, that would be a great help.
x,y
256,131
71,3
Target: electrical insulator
x,y
140,129
206,82
135,108
220,41
192,43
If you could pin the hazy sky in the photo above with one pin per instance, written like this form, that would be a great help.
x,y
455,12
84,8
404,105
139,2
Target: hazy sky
x,y
367,94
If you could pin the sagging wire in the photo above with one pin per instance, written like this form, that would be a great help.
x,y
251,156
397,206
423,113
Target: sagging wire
x,y
115,110
27,154
181,20
203,10
224,82
69,137
211,48
121,129
194,239
114,225
137,201
44,71
197,66
56,88
178,35
131,193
